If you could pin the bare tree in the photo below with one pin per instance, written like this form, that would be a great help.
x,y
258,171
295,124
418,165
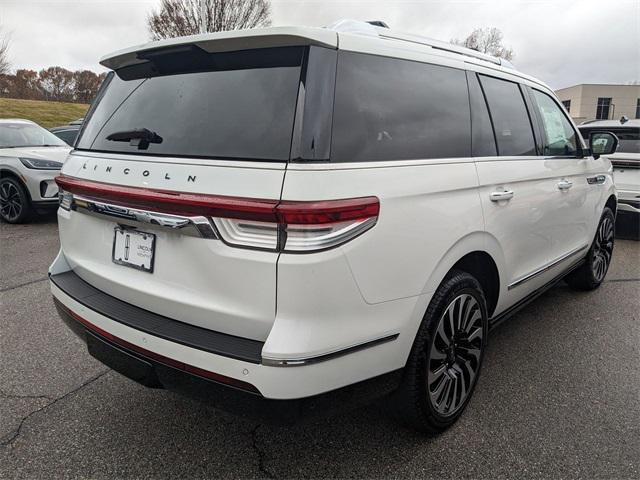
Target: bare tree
x,y
178,18
56,83
486,40
4,53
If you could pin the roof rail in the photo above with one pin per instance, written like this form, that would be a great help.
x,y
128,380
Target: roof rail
x,y
380,29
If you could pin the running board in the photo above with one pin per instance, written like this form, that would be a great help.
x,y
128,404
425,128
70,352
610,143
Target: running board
x,y
497,320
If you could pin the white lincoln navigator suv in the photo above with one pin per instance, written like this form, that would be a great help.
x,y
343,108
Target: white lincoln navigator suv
x,y
300,218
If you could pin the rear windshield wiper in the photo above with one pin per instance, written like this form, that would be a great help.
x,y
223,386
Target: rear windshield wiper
x,y
139,137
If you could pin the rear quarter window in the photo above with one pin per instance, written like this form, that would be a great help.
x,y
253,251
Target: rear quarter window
x,y
393,109
511,122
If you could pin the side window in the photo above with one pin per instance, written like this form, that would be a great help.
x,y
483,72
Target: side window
x,y
392,109
560,138
483,142
510,118
68,136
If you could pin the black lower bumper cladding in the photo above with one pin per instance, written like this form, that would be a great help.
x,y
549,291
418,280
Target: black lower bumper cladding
x,y
175,331
157,371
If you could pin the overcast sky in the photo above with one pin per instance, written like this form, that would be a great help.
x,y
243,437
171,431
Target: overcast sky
x,y
562,42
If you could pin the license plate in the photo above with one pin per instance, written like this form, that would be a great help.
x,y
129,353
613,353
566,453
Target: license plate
x,y
134,249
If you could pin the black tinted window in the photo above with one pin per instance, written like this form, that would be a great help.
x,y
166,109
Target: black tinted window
x,y
390,109
68,136
483,143
230,110
510,118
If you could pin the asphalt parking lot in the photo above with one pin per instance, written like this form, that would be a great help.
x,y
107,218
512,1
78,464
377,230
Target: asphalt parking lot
x,y
559,397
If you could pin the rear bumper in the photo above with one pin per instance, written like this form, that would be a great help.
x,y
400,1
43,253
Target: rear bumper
x,y
45,206
156,371
182,355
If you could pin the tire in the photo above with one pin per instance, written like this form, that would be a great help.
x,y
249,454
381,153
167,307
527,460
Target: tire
x,y
15,205
590,275
438,381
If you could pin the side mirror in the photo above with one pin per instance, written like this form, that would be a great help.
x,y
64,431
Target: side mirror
x,y
602,143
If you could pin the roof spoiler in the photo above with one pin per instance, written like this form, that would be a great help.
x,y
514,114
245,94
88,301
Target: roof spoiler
x,y
225,42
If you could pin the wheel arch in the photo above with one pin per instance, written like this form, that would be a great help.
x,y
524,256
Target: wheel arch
x,y
481,266
612,203
9,173
480,255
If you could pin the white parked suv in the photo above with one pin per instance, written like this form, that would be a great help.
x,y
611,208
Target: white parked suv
x,y
299,218
626,168
30,159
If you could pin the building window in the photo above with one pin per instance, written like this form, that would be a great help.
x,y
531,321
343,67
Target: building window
x,y
638,108
602,109
567,105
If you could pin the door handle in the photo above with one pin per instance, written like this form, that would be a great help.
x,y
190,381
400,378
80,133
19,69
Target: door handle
x,y
565,184
504,195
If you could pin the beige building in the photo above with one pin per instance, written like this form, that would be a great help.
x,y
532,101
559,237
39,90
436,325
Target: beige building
x,y
591,101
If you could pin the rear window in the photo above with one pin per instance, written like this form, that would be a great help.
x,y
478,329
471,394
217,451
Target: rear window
x,y
226,105
392,109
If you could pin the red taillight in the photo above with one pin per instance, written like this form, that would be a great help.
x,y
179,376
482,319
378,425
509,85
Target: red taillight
x,y
327,211
294,226
176,203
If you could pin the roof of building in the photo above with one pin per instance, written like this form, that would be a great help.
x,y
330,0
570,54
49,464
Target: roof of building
x,y
599,85
611,123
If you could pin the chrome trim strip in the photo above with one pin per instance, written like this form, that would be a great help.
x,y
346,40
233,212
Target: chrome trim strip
x,y
297,362
196,226
597,180
548,266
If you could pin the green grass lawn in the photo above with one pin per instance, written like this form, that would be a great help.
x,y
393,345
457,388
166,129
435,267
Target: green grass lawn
x,y
47,114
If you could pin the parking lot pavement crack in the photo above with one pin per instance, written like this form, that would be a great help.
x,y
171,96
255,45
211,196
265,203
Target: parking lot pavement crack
x,y
13,287
260,453
623,280
10,438
18,395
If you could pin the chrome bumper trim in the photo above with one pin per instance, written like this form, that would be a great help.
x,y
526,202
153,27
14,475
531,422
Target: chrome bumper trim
x,y
298,362
196,226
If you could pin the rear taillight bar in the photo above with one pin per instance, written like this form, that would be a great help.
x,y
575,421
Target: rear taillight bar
x,y
289,226
175,203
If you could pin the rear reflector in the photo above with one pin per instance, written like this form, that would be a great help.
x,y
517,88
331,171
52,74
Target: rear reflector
x,y
289,226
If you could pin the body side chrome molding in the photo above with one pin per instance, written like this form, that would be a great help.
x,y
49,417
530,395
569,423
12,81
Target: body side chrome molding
x,y
297,362
512,310
546,267
196,226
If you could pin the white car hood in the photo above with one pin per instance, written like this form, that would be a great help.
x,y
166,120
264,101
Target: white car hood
x,y
57,154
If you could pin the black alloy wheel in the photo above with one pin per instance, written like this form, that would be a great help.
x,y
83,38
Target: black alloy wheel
x,y
14,201
454,356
